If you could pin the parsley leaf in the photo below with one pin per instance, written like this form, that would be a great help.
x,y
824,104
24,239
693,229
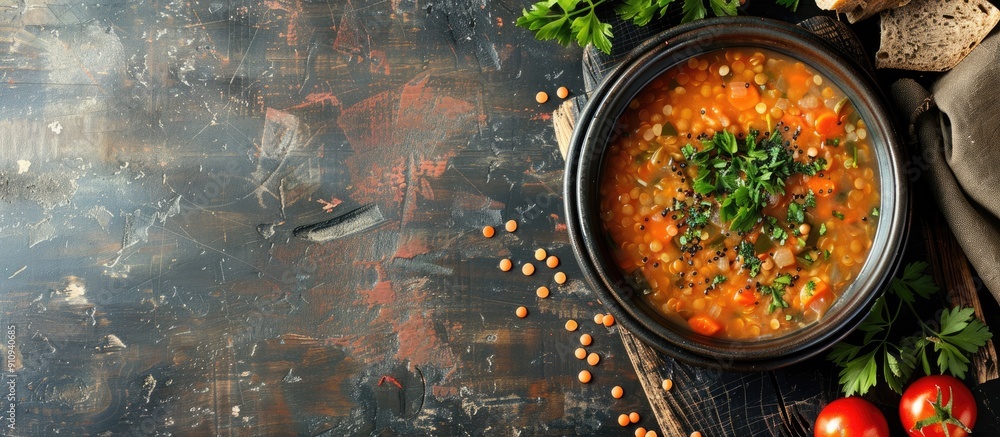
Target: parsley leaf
x,y
822,229
566,21
790,4
776,290
957,334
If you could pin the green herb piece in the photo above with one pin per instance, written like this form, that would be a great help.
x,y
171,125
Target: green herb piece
x,y
854,156
575,20
749,258
883,355
822,229
838,214
776,290
718,279
874,212
826,254
835,142
788,317
743,175
790,4
796,213
810,200
566,21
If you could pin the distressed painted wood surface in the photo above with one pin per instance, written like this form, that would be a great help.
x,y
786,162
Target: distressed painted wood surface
x,y
158,156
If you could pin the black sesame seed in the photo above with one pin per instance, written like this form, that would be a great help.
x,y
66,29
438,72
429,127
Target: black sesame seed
x,y
746,85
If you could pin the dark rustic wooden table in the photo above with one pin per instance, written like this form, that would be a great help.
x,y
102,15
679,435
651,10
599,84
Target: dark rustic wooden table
x,y
156,157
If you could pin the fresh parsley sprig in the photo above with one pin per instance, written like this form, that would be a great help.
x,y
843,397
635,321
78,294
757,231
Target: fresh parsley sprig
x,y
569,20
883,353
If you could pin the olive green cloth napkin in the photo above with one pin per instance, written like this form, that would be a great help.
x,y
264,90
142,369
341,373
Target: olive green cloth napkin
x,y
956,126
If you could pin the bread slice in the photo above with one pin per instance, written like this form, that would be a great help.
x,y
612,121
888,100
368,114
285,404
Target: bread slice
x,y
933,35
857,10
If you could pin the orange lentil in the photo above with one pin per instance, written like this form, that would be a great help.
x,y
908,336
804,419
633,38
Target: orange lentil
x,y
599,318
528,269
651,433
580,353
571,325
584,376
510,226
540,254
488,231
586,339
560,278
617,392
640,432
562,92
608,320
542,292
668,384
552,262
696,434
633,417
505,265
593,359
623,420
521,312
542,97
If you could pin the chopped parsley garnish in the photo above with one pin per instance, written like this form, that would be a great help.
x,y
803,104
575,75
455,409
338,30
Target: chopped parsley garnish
x,y
810,200
718,279
796,213
742,175
776,290
822,229
749,258
810,288
838,214
874,212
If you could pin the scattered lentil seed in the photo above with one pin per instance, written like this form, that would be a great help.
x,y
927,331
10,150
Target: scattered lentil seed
x,y
542,97
586,339
506,265
542,292
667,384
540,254
593,359
584,376
571,325
488,231
562,92
552,262
633,417
698,433
640,432
623,420
580,353
560,278
617,392
521,312
608,320
651,433
510,226
599,318
528,269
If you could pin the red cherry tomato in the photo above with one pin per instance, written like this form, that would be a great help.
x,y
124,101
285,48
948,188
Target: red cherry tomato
x,y
937,401
850,417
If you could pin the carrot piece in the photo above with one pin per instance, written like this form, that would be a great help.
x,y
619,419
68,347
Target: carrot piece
x,y
704,325
828,124
745,297
818,289
742,96
821,187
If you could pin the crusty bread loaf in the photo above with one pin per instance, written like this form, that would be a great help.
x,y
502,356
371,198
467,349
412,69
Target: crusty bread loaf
x,y
857,10
933,35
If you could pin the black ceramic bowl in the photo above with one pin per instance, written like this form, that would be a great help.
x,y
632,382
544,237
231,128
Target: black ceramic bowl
x,y
596,125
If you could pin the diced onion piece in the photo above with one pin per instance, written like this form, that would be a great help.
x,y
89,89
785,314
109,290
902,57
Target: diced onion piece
x,y
783,257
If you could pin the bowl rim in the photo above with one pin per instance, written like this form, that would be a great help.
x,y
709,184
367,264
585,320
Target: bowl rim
x,y
589,139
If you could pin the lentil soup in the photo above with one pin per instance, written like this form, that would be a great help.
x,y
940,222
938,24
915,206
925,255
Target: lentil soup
x,y
741,194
